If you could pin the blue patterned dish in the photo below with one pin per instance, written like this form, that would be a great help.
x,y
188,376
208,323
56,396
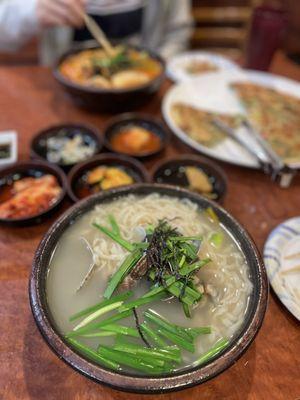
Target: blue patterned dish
x,y
282,261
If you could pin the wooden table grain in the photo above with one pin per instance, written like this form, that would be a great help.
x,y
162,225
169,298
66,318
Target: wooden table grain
x,y
31,100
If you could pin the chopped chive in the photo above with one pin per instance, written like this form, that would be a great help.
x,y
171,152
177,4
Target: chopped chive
x,y
117,238
128,360
179,340
159,289
141,301
216,239
96,325
120,329
175,287
186,310
219,346
121,347
172,349
140,351
194,332
114,225
142,245
152,335
98,334
190,295
182,261
98,313
187,269
103,303
123,270
93,355
211,214
185,238
165,324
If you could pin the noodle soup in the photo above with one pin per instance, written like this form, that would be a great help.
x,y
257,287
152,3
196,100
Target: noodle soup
x,y
222,282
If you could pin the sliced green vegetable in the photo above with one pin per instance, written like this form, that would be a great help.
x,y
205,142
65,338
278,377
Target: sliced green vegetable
x,y
140,351
194,332
219,346
103,303
216,239
128,360
122,272
141,301
96,325
179,340
165,324
186,310
185,293
93,355
159,342
185,238
114,225
120,329
212,215
188,269
175,287
98,334
114,236
98,313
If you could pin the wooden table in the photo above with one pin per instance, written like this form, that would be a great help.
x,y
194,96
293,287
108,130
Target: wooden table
x,y
270,369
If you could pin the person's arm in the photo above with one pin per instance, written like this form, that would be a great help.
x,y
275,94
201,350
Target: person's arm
x,y
178,28
22,19
18,23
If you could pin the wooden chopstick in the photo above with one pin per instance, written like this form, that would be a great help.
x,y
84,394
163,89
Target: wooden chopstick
x,y
98,34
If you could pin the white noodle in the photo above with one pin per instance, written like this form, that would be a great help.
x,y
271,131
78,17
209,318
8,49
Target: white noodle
x,y
227,273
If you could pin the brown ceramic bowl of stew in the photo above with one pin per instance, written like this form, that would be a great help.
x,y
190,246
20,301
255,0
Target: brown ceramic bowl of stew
x,y
103,172
30,192
137,135
95,96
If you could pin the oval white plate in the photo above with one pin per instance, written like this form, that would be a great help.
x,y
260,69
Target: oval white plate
x,y
283,242
212,92
176,65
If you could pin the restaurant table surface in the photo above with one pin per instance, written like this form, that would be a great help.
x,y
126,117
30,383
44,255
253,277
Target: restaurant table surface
x,y
30,100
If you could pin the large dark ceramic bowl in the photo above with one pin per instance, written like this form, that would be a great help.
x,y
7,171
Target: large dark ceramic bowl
x,y
110,100
33,169
127,382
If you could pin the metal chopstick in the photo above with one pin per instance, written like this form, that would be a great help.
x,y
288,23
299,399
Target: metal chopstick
x,y
274,167
281,171
265,165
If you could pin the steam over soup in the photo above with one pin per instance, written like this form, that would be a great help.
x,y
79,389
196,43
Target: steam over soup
x,y
126,68
148,284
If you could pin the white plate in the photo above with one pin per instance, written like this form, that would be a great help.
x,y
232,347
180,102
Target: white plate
x,y
284,241
176,65
211,92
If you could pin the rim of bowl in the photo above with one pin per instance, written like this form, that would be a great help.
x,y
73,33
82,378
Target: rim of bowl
x,y
126,118
220,173
133,383
91,131
77,170
38,165
90,89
